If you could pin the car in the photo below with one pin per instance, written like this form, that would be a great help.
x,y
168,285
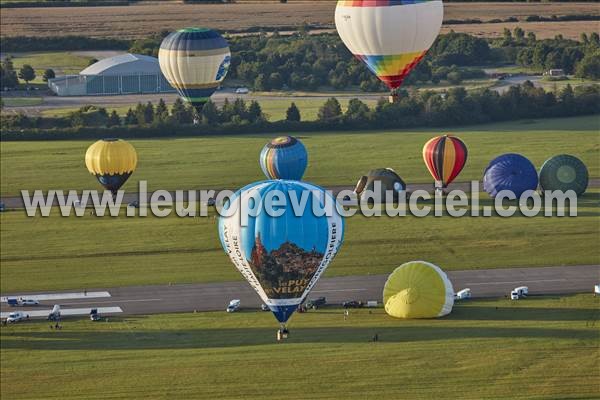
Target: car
x,y
18,316
242,90
353,304
29,302
316,303
596,290
264,307
514,295
233,306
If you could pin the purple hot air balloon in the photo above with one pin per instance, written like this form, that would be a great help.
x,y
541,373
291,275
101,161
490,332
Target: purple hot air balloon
x,y
511,172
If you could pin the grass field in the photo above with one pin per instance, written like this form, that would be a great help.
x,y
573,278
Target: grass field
x,y
61,62
539,348
152,18
22,101
334,158
89,252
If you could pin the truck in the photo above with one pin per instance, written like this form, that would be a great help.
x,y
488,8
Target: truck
x,y
463,294
17,316
522,290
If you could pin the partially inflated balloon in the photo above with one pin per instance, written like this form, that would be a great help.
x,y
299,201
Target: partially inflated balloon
x,y
511,172
282,254
195,62
111,161
388,180
445,157
418,289
564,172
284,157
390,36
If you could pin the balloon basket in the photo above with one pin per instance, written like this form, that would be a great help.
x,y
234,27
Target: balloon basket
x,y
282,333
393,98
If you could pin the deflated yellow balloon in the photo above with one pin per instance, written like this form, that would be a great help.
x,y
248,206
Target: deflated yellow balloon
x,y
418,289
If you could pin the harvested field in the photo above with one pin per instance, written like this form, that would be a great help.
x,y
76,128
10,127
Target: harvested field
x,y
543,30
144,19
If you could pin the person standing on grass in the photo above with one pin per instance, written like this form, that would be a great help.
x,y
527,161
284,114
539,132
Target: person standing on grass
x,y
346,314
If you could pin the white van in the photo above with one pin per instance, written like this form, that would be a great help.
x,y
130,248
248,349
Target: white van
x,y
463,294
371,304
233,305
596,290
522,290
16,317
514,295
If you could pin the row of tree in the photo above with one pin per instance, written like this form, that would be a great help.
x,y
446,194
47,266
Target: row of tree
x,y
424,108
9,77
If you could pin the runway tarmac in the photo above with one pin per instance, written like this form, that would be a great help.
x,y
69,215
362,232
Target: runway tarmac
x,y
215,296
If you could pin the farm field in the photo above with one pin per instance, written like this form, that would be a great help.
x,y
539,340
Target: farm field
x,y
211,162
549,350
152,18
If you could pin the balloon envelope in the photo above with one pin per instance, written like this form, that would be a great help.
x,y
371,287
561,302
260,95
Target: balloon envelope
x,y
389,36
564,172
418,289
111,161
194,61
281,256
388,180
511,172
284,157
445,157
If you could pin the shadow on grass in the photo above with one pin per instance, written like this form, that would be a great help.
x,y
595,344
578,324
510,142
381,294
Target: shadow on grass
x,y
158,339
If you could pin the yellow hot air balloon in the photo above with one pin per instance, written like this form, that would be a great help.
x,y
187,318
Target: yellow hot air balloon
x,y
111,161
418,289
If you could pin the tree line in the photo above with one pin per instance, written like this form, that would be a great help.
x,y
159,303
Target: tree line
x,y
414,109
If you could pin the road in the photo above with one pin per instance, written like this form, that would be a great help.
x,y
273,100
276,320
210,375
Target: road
x,y
16,202
215,296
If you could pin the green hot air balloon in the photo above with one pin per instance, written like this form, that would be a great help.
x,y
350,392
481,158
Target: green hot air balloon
x,y
564,172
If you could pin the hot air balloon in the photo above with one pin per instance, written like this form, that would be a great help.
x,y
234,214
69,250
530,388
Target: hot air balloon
x,y
564,172
195,62
511,172
418,289
445,157
282,256
111,161
284,157
389,180
389,36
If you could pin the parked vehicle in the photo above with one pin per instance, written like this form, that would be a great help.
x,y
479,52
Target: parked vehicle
x,y
29,302
522,290
371,303
242,90
352,304
17,316
12,302
514,295
463,294
316,303
596,290
233,306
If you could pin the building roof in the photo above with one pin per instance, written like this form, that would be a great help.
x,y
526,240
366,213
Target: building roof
x,y
124,64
